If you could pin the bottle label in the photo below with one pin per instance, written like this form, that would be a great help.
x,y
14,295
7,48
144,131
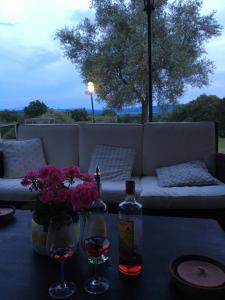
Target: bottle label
x,y
126,237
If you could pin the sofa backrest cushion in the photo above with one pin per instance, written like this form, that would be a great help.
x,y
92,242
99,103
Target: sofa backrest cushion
x,y
166,144
60,142
22,156
115,163
119,135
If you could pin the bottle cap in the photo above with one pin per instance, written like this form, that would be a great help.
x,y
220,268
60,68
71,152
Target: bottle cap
x,y
130,187
97,174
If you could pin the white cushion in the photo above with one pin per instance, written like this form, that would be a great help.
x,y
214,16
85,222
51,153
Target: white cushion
x,y
22,156
115,163
193,173
166,144
12,190
195,197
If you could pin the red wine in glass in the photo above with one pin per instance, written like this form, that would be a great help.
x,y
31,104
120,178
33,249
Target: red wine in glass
x,y
96,246
61,254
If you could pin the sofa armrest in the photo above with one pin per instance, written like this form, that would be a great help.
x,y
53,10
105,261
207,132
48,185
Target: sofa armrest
x,y
220,166
1,164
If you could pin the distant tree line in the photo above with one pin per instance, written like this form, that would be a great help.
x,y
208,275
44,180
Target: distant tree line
x,y
203,108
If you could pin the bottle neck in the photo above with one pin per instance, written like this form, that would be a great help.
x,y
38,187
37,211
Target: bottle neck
x,y
99,189
130,197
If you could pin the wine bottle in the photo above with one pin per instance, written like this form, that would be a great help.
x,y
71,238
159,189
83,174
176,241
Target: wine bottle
x,y
130,232
98,225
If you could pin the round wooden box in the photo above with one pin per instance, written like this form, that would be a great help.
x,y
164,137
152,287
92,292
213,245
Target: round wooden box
x,y
200,277
7,213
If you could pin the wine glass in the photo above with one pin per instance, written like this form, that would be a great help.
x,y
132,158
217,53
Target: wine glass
x,y
96,245
61,244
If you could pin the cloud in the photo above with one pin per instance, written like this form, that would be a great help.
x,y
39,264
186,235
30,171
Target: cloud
x,y
79,15
7,24
33,65
216,87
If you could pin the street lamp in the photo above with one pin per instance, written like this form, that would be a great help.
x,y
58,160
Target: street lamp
x,y
149,6
91,89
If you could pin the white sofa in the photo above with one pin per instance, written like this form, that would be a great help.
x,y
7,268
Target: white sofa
x,y
156,144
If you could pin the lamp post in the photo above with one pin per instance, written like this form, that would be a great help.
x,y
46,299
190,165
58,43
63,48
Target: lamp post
x,y
91,89
149,6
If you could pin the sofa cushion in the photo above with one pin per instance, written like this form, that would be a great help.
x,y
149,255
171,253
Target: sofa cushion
x,y
1,162
166,144
196,197
193,173
118,135
60,142
114,191
22,156
115,163
12,190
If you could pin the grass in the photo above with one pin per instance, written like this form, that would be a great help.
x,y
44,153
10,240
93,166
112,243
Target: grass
x,y
221,145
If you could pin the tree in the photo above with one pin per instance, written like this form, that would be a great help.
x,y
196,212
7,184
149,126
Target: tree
x,y
79,114
220,117
9,116
111,51
109,112
203,108
35,109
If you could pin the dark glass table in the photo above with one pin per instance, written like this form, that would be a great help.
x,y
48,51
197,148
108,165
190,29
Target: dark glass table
x,y
24,275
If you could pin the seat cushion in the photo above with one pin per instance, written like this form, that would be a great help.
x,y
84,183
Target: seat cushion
x,y
12,190
114,191
195,197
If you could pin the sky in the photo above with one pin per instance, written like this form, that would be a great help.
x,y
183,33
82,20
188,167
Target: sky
x,y
33,66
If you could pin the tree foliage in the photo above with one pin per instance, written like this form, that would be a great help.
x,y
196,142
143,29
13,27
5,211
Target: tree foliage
x,y
111,51
203,108
9,116
108,112
35,109
79,114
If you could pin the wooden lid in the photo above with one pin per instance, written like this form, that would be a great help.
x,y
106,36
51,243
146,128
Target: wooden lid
x,y
6,212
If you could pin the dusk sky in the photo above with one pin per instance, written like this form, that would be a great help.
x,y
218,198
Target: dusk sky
x,y
32,64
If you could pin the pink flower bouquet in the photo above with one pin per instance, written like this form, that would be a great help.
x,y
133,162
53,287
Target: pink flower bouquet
x,y
60,190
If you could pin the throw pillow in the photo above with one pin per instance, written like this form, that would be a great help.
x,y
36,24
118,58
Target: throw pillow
x,y
192,173
115,163
22,156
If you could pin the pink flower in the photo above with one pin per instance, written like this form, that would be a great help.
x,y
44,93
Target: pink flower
x,y
83,195
87,178
62,196
53,185
46,196
25,181
72,172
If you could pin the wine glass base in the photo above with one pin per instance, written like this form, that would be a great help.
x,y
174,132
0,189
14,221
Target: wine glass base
x,y
96,286
62,291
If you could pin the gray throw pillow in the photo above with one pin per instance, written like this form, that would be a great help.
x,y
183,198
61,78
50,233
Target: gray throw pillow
x,y
115,163
192,173
22,156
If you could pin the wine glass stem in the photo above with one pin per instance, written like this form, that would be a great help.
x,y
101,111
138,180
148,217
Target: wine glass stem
x,y
62,281
95,273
